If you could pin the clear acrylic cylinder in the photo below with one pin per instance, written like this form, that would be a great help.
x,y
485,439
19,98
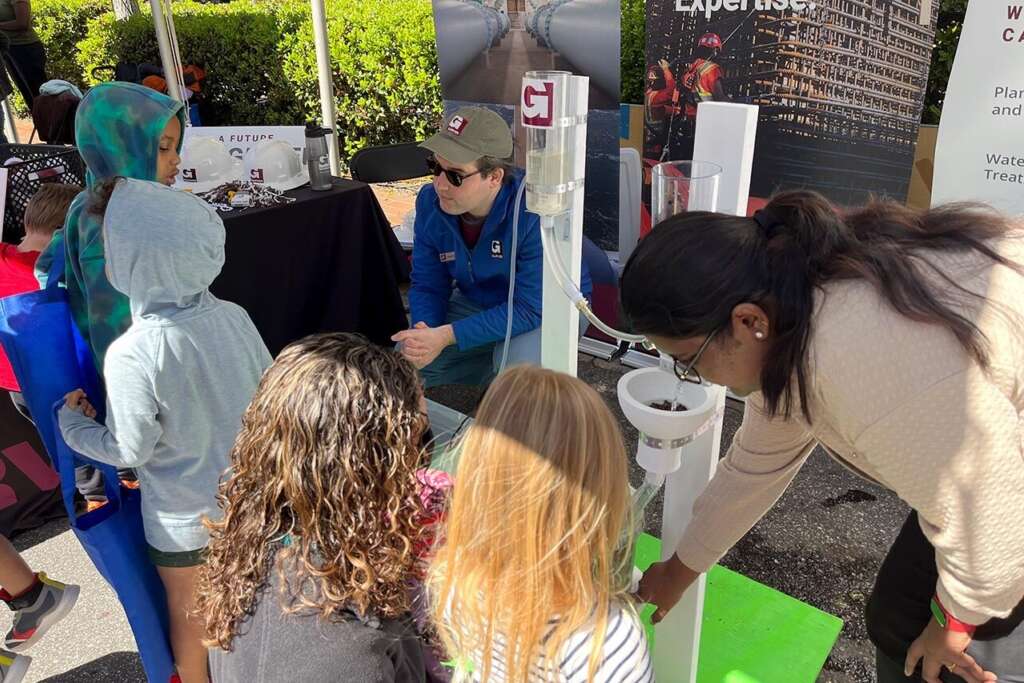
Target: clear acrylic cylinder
x,y
548,115
679,186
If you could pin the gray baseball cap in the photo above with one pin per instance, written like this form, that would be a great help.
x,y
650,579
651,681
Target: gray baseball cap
x,y
471,133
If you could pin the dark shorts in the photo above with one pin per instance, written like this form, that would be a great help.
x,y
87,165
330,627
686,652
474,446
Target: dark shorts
x,y
185,558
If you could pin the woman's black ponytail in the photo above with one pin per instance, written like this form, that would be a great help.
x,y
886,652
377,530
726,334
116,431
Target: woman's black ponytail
x,y
805,236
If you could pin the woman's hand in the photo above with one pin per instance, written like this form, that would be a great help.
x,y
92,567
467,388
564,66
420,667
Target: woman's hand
x,y
664,583
941,648
77,402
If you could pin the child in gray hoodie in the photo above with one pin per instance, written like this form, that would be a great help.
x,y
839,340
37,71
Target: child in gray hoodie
x,y
177,382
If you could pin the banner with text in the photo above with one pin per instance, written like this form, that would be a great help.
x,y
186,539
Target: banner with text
x,y
238,139
840,87
979,154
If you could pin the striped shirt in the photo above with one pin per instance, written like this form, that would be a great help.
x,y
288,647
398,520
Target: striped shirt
x,y
625,657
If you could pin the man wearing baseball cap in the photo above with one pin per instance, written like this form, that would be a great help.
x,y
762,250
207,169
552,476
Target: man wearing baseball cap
x,y
461,257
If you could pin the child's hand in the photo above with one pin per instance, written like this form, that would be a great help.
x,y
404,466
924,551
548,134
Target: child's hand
x,y
76,401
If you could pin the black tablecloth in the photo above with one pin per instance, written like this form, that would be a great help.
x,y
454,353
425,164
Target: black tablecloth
x,y
328,262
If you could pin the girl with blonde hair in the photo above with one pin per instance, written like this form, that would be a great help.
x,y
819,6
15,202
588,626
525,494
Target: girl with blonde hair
x,y
307,576
530,581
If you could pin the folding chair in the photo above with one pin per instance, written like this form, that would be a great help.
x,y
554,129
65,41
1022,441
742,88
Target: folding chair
x,y
388,163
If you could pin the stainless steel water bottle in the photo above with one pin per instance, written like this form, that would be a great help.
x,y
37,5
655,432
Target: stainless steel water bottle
x,y
317,159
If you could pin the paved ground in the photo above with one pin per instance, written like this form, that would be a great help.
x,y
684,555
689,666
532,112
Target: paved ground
x,y
94,642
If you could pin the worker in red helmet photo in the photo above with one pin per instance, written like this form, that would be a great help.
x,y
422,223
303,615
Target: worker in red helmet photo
x,y
661,103
702,80
699,81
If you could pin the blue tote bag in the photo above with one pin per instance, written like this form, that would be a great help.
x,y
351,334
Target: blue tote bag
x,y
50,358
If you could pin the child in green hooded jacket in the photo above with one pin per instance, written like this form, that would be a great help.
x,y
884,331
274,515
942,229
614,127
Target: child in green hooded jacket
x,y
125,130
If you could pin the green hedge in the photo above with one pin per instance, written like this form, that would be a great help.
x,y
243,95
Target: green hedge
x,y
60,25
385,70
238,44
261,62
947,35
633,33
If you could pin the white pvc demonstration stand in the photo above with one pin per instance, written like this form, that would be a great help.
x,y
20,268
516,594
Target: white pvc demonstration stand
x,y
556,105
680,449
724,135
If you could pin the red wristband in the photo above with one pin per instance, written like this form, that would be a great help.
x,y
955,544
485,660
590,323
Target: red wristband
x,y
947,621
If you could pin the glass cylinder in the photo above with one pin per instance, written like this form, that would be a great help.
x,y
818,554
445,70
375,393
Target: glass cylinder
x,y
679,186
548,99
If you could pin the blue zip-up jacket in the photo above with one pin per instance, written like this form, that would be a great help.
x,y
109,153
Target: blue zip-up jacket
x,y
441,260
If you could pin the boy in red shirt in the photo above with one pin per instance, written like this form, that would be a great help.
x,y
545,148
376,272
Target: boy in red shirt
x,y
44,215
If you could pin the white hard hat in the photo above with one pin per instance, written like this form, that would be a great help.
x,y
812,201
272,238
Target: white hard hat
x,y
277,164
206,164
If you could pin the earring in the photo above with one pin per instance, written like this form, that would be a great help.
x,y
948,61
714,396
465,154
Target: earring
x,y
759,335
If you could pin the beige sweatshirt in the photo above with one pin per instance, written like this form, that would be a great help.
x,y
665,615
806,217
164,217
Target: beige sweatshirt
x,y
903,404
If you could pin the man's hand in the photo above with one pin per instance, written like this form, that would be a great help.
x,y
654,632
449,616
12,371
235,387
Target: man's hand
x,y
663,63
422,344
664,583
77,402
941,648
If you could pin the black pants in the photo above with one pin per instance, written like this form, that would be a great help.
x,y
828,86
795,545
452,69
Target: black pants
x,y
27,66
899,609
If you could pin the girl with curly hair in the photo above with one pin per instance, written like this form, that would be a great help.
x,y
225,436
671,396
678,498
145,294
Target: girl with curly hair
x,y
530,581
307,576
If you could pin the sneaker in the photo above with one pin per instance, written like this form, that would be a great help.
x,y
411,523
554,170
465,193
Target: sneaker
x,y
51,604
13,667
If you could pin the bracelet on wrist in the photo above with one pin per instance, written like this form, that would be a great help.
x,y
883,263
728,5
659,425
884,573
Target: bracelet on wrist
x,y
947,621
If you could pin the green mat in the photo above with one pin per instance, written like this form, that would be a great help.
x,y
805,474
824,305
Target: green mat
x,y
751,633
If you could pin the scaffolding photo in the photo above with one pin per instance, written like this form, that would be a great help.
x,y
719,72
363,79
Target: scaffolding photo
x,y
840,89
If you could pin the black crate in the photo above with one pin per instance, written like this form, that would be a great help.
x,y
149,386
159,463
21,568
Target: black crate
x,y
39,164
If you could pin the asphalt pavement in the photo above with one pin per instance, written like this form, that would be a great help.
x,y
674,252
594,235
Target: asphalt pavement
x,y
94,642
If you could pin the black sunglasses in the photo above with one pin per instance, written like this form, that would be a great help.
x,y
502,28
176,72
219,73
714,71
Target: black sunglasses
x,y
689,373
454,178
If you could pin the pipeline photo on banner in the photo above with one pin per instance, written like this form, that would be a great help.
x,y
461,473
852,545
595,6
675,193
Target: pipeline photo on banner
x,y
485,46
840,87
